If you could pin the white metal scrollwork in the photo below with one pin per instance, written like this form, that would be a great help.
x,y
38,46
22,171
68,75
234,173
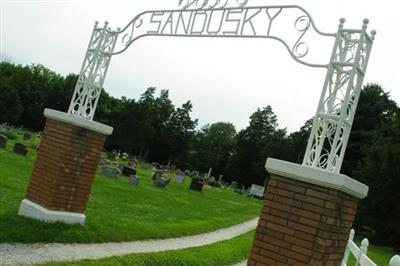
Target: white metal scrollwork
x,y
339,98
234,19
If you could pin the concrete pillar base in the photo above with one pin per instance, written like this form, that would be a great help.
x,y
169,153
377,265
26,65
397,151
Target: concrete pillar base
x,y
35,211
64,169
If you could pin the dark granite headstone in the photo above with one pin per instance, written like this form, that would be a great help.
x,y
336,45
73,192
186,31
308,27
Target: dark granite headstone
x,y
20,149
128,171
3,142
27,135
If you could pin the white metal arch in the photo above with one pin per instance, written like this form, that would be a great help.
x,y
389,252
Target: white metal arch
x,y
204,18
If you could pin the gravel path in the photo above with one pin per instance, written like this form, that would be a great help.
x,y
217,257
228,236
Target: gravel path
x,y
243,263
11,254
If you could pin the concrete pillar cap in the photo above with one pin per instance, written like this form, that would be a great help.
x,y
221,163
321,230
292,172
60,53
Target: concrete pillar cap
x,y
78,121
317,177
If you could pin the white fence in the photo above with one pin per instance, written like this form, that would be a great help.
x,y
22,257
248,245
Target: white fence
x,y
360,253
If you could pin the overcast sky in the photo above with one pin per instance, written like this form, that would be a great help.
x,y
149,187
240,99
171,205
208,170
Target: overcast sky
x,y
226,79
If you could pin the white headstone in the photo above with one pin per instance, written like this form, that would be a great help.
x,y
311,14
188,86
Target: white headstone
x,y
257,190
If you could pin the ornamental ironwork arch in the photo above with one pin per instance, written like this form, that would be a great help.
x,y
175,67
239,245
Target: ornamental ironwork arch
x,y
206,18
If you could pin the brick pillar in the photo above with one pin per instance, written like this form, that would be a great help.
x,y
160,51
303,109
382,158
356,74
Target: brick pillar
x,y
64,169
306,217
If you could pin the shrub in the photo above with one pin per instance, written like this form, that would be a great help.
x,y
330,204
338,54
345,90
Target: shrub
x,y
11,134
214,184
197,179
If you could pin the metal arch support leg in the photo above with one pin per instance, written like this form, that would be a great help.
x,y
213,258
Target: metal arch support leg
x,y
94,69
339,98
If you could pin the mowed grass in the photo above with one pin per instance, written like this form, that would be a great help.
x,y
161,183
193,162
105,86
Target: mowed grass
x,y
226,252
118,211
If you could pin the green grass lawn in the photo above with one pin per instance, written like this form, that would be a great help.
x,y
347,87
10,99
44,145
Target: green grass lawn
x,y
118,211
222,253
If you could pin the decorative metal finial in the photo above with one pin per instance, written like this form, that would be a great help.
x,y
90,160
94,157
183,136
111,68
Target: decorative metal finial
x,y
105,24
373,33
342,21
365,23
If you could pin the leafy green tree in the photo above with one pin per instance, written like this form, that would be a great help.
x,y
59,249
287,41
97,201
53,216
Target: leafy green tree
x,y
10,103
253,147
212,147
373,158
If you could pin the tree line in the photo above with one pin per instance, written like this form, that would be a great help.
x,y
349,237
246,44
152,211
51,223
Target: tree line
x,y
154,129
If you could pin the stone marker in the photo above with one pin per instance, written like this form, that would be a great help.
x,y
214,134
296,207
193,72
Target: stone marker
x,y
134,180
234,185
109,171
103,161
180,179
3,142
159,182
128,171
197,184
179,176
20,149
256,190
27,135
145,165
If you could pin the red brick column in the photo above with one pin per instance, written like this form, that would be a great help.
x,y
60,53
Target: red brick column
x,y
306,217
64,169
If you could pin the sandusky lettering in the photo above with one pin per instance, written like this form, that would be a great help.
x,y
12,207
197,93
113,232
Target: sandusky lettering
x,y
220,22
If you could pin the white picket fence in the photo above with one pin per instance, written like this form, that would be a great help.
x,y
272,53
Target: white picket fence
x,y
360,253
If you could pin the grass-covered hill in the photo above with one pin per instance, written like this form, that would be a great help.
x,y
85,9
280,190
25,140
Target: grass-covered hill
x,y
118,211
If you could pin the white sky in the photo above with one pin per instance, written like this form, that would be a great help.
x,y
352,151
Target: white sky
x,y
226,79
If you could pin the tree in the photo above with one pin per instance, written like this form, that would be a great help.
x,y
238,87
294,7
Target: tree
x,y
212,147
253,147
10,103
372,157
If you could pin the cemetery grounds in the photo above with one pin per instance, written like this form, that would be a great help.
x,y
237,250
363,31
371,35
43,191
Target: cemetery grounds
x,y
118,211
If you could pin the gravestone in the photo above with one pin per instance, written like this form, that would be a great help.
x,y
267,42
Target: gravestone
x,y
27,135
133,163
257,190
179,176
197,184
109,171
234,185
112,155
128,171
180,179
134,180
159,182
145,165
3,142
103,155
103,161
220,179
20,149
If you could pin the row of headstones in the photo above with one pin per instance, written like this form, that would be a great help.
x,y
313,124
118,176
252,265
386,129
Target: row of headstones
x,y
159,179
19,148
